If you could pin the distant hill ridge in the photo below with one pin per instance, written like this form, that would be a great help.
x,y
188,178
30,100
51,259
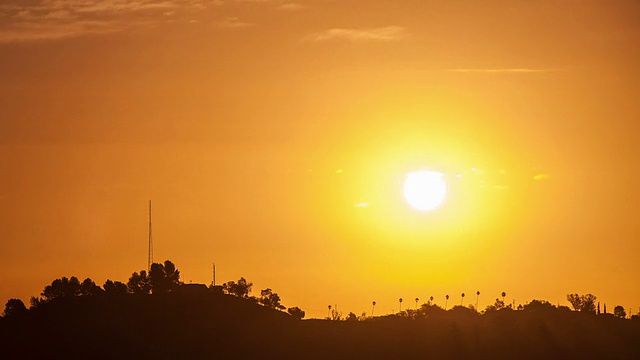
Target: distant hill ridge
x,y
205,325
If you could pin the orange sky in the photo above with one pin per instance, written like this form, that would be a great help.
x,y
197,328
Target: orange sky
x,y
256,127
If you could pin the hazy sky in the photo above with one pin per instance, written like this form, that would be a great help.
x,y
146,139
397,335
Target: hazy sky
x,y
274,136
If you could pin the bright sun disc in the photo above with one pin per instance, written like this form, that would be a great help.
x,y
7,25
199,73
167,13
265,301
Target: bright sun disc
x,y
425,190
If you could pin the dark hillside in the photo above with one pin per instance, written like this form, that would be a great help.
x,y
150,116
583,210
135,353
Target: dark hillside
x,y
166,326
207,325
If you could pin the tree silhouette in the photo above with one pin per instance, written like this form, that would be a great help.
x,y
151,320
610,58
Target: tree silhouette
x,y
417,303
14,307
240,289
499,304
462,299
139,283
504,294
329,312
373,308
446,301
163,277
35,302
89,288
270,299
430,299
619,312
61,288
430,309
583,303
539,307
477,298
296,313
114,288
400,304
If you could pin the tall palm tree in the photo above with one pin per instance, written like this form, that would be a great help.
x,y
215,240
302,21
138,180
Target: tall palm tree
x,y
477,298
461,301
446,301
373,308
417,303
329,313
504,294
400,304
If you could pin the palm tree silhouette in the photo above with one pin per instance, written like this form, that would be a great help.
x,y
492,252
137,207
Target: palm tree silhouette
x,y
417,303
462,299
373,308
329,313
477,298
400,304
446,301
504,294
431,299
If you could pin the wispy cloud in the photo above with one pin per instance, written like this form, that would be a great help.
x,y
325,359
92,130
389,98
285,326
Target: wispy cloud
x,y
389,33
48,19
541,177
291,6
498,70
233,23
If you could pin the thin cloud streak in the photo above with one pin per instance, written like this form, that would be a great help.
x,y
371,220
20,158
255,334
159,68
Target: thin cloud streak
x,y
389,33
504,70
51,20
233,23
291,6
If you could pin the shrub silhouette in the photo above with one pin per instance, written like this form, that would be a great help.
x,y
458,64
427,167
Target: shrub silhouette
x,y
619,312
296,313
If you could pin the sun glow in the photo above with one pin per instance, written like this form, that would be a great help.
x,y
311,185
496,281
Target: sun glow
x,y
425,190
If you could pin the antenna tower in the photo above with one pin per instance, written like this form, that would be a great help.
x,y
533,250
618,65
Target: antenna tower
x,y
214,275
150,258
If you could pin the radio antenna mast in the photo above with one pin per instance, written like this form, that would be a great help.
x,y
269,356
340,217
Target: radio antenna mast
x,y
214,275
150,258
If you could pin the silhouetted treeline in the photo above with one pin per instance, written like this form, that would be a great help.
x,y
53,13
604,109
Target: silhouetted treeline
x,y
155,316
162,278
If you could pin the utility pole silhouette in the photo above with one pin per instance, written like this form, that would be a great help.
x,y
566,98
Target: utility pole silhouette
x,y
150,257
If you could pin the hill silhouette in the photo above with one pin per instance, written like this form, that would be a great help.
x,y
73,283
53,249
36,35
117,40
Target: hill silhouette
x,y
193,321
210,325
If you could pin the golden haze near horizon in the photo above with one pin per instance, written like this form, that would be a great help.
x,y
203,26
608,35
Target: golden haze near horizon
x,y
274,137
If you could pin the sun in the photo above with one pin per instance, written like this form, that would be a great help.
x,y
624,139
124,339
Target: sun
x,y
425,190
